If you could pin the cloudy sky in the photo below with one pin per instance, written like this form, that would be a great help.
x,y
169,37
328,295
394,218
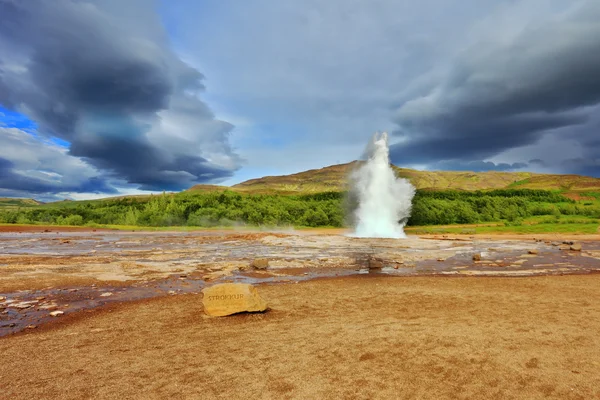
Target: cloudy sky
x,y
103,97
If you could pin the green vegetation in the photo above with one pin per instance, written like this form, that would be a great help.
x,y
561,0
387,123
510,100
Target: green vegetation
x,y
511,206
189,209
521,210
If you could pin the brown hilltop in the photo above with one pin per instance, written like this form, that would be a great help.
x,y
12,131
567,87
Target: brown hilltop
x,y
333,178
9,203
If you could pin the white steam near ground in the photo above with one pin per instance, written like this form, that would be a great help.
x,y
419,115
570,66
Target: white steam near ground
x,y
382,201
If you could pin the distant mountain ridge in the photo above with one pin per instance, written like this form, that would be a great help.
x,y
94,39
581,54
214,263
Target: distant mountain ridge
x,y
334,178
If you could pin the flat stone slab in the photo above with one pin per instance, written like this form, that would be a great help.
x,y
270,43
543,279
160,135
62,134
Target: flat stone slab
x,y
232,298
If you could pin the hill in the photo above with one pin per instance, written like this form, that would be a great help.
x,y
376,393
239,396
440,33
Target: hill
x,y
333,178
9,203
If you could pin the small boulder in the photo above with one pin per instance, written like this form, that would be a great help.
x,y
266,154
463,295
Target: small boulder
x,y
575,247
533,251
569,242
56,313
23,304
564,247
232,298
476,257
375,264
260,263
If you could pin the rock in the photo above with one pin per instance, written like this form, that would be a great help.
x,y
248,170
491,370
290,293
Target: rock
x,y
260,263
533,251
56,313
569,242
564,247
555,244
441,259
575,247
50,306
106,294
375,264
2,298
476,257
232,298
23,304
30,327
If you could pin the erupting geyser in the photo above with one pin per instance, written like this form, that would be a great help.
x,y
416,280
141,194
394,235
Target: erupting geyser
x,y
384,201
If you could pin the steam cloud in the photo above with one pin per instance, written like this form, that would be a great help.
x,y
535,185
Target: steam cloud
x,y
384,201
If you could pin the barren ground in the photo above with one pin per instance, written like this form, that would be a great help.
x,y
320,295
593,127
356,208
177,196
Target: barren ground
x,y
430,323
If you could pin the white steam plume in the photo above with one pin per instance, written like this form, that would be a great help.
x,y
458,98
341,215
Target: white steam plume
x,y
384,201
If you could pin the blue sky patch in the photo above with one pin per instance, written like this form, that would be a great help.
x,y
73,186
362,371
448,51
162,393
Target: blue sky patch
x,y
13,119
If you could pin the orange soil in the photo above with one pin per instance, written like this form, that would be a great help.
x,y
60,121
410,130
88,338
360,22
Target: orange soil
x,y
359,337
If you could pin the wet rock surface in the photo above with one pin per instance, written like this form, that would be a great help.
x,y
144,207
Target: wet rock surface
x,y
43,272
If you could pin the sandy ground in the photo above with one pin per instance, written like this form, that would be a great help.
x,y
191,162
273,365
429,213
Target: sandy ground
x,y
349,318
356,337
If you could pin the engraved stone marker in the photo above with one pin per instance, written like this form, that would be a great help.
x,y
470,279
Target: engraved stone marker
x,y
232,298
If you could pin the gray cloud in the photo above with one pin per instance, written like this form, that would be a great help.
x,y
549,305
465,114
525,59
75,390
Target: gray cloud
x,y
28,165
101,75
583,166
477,166
537,162
508,92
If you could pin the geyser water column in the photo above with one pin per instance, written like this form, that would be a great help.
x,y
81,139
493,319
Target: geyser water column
x,y
384,201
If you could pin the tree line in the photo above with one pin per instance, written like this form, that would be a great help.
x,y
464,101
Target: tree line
x,y
312,210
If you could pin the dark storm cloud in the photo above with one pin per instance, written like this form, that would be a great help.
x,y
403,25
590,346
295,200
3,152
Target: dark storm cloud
x,y
477,166
14,182
537,162
152,171
502,95
100,75
28,165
